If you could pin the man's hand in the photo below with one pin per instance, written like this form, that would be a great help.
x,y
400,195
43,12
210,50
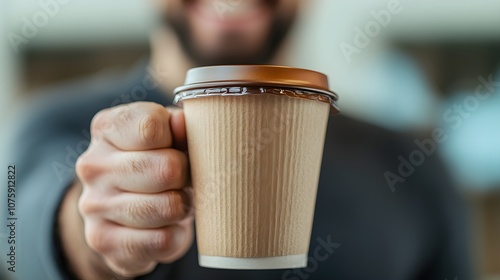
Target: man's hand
x,y
135,203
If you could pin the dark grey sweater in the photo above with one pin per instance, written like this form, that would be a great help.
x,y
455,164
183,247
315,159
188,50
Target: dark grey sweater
x,y
362,229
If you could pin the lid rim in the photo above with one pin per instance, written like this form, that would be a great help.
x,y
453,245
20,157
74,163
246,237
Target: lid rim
x,y
257,76
254,84
180,97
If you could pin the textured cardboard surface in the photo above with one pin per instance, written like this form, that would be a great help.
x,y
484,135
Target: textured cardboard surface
x,y
255,163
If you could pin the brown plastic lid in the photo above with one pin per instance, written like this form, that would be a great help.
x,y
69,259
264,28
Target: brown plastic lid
x,y
311,82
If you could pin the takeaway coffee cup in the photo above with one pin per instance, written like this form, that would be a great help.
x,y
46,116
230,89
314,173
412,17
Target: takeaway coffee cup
x,y
255,138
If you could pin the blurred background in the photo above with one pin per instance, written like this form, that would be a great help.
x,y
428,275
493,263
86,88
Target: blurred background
x,y
429,64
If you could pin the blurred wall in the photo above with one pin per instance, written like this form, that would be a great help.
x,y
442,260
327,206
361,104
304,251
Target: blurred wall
x,y
369,81
372,81
9,81
81,24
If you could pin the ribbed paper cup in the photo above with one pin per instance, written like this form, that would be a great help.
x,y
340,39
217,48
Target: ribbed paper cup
x,y
255,154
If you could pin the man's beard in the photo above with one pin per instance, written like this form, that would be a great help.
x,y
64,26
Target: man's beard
x,y
277,33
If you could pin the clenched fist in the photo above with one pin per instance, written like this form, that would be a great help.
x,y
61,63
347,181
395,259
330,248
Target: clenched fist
x,y
135,200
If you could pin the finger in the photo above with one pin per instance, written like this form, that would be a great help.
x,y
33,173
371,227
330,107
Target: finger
x,y
150,171
100,238
149,211
183,247
134,127
91,165
124,245
178,128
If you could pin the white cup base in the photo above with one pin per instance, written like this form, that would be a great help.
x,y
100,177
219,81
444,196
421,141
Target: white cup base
x,y
281,262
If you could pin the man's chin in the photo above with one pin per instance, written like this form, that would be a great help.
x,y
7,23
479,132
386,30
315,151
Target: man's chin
x,y
229,58
233,50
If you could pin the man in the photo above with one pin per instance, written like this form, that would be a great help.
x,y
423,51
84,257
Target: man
x,y
127,210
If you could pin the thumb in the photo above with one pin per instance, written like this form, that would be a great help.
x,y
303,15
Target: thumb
x,y
178,128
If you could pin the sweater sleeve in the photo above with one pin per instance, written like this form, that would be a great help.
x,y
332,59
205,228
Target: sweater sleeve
x,y
44,156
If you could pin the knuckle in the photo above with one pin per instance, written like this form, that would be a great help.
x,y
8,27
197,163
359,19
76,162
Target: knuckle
x,y
85,167
156,109
87,205
96,240
161,241
100,121
151,128
176,206
170,169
